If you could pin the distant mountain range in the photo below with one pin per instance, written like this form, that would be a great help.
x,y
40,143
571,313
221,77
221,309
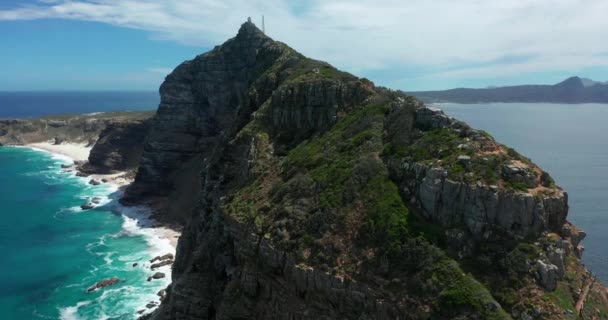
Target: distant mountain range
x,y
571,90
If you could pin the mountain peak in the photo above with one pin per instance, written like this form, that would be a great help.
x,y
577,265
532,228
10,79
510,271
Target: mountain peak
x,y
572,82
250,30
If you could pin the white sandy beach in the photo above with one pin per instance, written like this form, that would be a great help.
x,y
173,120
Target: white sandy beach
x,y
80,152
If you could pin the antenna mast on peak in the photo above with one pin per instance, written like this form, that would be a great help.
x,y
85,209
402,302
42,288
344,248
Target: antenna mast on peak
x,y
263,25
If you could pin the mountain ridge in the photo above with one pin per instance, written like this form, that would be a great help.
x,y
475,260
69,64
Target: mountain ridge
x,y
571,90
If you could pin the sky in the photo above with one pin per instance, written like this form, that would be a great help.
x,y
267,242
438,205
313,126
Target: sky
x,y
402,44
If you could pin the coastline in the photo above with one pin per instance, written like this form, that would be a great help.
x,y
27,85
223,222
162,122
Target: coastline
x,y
78,152
137,221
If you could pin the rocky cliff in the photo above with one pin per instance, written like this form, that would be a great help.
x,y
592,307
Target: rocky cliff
x,y
118,148
308,193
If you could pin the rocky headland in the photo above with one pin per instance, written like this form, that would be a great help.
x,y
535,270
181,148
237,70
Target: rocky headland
x,y
305,192
571,90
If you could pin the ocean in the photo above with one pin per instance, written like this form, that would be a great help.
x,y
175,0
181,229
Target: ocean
x,y
570,141
52,251
36,104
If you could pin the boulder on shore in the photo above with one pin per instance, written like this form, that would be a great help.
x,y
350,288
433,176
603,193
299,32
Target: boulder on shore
x,y
103,284
168,256
156,276
94,182
96,200
81,174
87,206
161,264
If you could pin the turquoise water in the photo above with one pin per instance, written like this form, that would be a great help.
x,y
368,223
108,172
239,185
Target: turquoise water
x,y
570,141
52,251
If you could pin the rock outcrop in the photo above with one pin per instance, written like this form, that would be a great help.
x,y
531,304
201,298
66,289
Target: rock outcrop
x,y
307,193
103,284
118,148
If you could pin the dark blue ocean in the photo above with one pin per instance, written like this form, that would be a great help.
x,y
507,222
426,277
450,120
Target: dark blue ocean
x,y
570,141
35,104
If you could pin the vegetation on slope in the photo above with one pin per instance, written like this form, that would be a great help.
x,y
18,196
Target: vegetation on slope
x,y
331,202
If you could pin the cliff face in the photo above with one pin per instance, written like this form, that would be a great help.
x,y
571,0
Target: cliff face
x,y
312,194
206,101
118,147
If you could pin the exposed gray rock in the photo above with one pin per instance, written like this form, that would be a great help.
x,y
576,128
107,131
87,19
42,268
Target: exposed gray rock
x,y
168,256
483,210
94,182
557,258
547,275
519,174
161,294
431,118
87,206
464,160
161,264
158,275
59,140
103,284
119,147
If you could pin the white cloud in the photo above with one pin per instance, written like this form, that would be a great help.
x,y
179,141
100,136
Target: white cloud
x,y
454,35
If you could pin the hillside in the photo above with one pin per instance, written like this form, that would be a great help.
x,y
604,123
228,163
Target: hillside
x,y
305,192
308,193
571,90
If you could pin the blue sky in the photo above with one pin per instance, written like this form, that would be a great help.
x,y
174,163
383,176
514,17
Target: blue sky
x,y
409,45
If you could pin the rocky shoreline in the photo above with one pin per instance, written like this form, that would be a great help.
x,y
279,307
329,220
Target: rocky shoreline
x,y
78,153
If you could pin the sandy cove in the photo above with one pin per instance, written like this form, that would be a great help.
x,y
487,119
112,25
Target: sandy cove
x,y
80,152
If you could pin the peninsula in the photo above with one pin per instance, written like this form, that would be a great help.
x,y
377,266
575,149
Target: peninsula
x,y
571,90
